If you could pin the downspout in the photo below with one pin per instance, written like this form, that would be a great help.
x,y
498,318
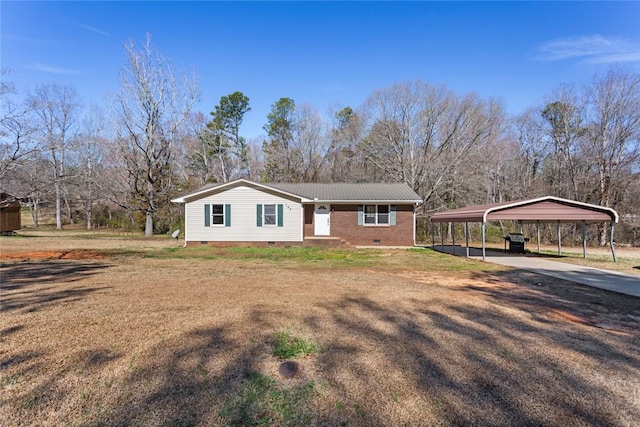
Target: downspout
x,y
185,226
302,222
414,225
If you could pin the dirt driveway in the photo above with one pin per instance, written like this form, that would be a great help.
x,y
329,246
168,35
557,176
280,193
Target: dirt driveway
x,y
141,333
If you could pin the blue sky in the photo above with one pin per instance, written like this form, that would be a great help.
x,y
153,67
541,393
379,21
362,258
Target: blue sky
x,y
324,53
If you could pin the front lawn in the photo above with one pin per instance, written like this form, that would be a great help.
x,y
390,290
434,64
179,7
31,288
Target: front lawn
x,y
143,333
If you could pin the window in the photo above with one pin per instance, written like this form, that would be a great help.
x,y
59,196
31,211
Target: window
x,y
217,214
270,215
377,215
383,214
370,214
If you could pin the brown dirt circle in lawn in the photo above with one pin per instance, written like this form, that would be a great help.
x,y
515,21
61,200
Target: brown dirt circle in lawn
x,y
44,255
288,369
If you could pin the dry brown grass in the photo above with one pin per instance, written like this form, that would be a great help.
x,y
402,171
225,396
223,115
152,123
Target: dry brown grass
x,y
170,338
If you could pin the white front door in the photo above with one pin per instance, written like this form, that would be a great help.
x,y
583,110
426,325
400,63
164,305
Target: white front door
x,y
322,220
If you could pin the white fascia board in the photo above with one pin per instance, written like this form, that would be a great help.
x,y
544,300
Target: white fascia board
x,y
347,202
217,188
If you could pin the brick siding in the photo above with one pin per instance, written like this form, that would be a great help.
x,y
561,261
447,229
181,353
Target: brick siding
x,y
344,224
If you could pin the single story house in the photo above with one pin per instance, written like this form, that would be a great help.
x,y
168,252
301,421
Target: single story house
x,y
243,211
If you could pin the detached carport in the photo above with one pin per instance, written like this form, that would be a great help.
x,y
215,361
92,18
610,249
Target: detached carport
x,y
547,209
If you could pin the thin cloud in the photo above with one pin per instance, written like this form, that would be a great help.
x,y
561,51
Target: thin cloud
x,y
18,38
591,49
45,68
616,58
93,29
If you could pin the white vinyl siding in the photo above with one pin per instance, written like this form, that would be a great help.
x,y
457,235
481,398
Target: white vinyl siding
x,y
243,201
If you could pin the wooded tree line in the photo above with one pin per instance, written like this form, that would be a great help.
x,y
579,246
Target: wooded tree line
x,y
146,145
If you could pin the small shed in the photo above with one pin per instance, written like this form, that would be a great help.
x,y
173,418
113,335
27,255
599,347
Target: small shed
x,y
9,213
546,209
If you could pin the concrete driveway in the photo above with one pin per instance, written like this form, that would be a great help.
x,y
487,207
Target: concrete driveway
x,y
612,281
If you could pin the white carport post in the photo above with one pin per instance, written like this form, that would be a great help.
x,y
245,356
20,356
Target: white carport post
x,y
466,236
538,232
613,251
453,237
441,239
584,240
559,240
483,245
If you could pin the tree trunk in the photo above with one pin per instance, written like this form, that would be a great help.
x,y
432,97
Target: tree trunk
x,y
148,227
34,212
89,214
67,206
603,235
58,206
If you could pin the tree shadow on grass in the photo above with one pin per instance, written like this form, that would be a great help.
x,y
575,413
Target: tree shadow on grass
x,y
483,366
25,285
542,295
500,361
20,275
181,382
464,365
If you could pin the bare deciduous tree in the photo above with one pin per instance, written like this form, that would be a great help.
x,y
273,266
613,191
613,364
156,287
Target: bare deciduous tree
x,y
421,134
613,135
90,155
17,142
56,108
564,124
309,146
345,161
150,108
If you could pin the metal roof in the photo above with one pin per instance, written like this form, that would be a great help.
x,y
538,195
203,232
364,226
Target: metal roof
x,y
352,192
543,209
335,192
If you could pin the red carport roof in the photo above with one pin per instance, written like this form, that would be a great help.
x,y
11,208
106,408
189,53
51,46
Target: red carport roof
x,y
542,209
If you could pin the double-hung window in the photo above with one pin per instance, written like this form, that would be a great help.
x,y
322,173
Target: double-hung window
x,y
370,214
383,214
376,214
217,215
270,215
